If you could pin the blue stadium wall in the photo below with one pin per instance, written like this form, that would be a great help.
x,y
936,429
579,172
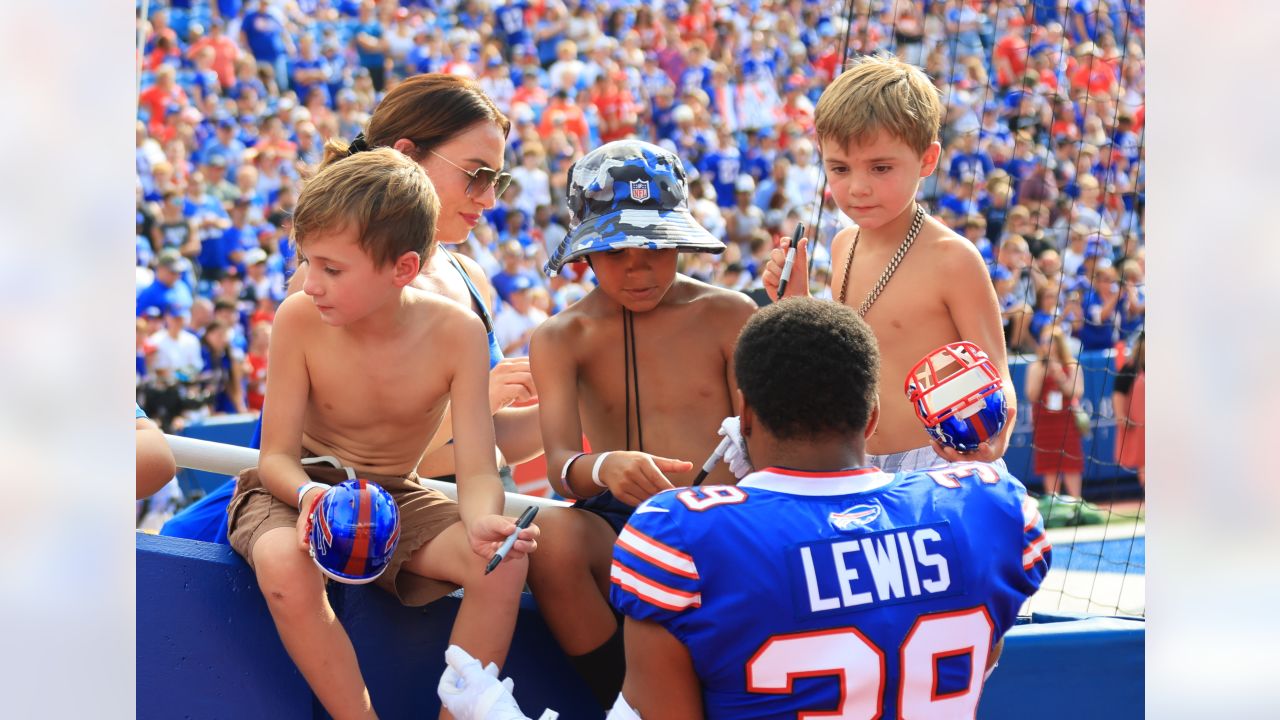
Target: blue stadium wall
x,y
206,648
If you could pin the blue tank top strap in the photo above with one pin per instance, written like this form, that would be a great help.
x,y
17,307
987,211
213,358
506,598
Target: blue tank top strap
x,y
495,350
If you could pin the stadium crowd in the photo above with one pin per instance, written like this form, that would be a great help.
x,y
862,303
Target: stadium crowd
x,y
1043,164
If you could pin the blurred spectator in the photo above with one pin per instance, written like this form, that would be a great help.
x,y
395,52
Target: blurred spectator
x,y
255,365
223,374
744,218
1017,282
535,182
1054,385
1129,398
518,318
515,270
264,34
225,52
1133,300
168,290
161,99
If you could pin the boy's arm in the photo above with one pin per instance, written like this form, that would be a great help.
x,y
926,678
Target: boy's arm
x,y
971,301
516,429
660,681
518,435
288,387
480,495
154,460
555,375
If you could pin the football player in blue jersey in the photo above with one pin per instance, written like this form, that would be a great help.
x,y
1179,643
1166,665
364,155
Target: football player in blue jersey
x,y
817,584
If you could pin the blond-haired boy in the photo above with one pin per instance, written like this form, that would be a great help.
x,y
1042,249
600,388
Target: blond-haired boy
x,y
345,380
916,283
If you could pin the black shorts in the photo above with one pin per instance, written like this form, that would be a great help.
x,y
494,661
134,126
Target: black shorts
x,y
614,511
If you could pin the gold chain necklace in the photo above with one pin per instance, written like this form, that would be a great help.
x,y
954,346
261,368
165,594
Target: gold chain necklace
x,y
916,223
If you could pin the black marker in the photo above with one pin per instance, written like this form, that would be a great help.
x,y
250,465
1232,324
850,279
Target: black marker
x,y
716,456
791,259
526,518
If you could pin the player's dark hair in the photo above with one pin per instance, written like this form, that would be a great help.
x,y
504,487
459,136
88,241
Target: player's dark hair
x,y
808,368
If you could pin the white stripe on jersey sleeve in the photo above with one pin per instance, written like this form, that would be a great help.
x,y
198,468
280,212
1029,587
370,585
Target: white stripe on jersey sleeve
x,y
654,593
656,553
1035,551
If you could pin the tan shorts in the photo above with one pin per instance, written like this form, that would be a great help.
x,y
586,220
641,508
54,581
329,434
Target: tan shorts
x,y
424,514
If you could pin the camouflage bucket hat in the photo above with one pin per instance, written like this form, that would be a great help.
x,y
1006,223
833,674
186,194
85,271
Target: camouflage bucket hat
x,y
628,194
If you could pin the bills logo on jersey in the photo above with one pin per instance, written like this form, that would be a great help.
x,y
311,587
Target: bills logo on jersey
x,y
858,515
640,190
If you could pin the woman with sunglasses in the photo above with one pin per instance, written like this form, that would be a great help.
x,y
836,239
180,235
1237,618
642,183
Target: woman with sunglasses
x,y
455,132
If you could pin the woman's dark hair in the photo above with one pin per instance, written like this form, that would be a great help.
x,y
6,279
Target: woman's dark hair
x,y
808,368
428,109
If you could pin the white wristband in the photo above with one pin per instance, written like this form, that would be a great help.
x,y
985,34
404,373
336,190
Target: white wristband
x,y
303,489
595,469
564,474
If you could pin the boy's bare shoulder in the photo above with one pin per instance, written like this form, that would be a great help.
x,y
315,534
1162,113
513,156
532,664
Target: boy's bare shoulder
x,y
949,252
297,309
711,298
442,312
573,320
843,238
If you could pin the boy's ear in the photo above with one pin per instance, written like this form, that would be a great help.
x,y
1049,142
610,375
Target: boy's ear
x,y
930,159
406,268
746,419
872,421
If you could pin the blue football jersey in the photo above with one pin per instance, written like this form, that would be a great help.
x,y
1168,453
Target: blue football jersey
x,y
857,593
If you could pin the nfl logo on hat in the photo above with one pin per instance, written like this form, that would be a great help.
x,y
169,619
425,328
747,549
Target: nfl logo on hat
x,y
639,190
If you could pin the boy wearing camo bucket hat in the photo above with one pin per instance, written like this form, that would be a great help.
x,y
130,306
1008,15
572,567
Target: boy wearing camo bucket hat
x,y
643,366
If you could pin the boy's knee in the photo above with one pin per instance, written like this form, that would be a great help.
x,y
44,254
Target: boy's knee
x,y
562,544
285,574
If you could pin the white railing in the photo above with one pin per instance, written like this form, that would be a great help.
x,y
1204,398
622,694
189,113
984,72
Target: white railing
x,y
231,459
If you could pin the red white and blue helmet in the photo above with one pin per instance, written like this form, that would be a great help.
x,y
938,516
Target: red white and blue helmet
x,y
354,531
958,394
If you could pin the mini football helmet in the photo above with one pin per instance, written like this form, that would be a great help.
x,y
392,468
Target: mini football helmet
x,y
354,531
958,394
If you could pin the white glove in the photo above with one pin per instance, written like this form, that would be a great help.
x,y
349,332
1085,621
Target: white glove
x,y
472,692
621,709
736,454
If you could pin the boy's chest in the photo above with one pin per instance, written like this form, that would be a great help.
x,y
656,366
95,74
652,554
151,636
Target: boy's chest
x,y
368,385
909,315
672,366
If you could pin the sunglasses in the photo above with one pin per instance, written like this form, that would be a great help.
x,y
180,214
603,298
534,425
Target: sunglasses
x,y
482,178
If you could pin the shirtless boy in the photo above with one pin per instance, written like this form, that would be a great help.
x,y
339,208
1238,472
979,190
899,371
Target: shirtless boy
x,y
916,283
345,381
642,365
